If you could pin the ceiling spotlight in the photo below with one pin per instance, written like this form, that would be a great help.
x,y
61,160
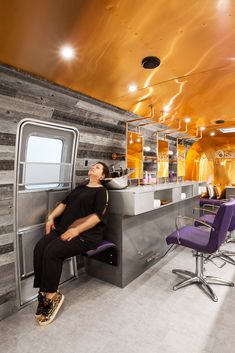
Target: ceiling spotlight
x,y
132,88
67,52
212,134
202,128
187,120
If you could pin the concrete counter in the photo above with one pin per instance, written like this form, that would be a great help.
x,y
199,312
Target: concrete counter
x,y
140,199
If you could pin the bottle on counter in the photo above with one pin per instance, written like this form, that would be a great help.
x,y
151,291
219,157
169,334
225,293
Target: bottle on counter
x,y
146,178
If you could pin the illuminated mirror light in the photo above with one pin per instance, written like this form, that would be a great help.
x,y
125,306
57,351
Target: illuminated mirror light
x,y
67,52
132,88
228,130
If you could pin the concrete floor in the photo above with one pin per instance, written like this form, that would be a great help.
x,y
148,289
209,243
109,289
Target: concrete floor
x,y
146,316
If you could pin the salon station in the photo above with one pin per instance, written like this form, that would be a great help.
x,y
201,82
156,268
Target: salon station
x,y
147,88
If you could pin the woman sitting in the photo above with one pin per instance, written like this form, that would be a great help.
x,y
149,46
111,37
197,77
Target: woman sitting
x,y
83,215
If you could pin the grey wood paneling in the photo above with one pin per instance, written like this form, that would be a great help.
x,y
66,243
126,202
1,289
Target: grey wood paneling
x,y
102,132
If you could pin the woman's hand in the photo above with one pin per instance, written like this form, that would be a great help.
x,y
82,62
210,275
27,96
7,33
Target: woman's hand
x,y
49,226
69,234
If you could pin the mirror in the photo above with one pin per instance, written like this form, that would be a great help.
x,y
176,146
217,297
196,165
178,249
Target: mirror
x,y
134,154
163,159
180,160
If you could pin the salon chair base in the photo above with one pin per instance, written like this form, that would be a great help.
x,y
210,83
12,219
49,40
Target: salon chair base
x,y
200,279
224,255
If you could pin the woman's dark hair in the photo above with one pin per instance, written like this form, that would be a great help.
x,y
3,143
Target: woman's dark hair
x,y
105,169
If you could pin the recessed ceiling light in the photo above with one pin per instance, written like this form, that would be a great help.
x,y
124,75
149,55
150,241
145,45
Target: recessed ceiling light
x,y
220,121
187,120
212,134
227,130
132,88
202,128
67,52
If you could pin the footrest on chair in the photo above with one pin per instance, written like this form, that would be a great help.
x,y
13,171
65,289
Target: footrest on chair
x,y
105,252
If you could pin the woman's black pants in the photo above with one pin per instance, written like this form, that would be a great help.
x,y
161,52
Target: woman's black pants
x,y
49,254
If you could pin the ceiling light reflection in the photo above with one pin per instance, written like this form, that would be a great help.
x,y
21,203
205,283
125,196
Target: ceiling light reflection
x,y
132,88
166,109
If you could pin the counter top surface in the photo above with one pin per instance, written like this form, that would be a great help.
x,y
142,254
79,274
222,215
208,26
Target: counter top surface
x,y
156,187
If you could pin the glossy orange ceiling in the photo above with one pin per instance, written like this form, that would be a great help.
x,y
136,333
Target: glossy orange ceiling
x,y
195,40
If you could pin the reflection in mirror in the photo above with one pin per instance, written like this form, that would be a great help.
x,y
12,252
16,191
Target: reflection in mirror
x,y
180,160
135,154
172,161
163,159
150,160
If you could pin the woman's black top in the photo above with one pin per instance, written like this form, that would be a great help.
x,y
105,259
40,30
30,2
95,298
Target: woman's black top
x,y
81,202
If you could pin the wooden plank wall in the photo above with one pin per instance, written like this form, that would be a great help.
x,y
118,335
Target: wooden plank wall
x,y
102,132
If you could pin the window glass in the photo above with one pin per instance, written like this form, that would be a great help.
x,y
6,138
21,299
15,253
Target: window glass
x,y
43,162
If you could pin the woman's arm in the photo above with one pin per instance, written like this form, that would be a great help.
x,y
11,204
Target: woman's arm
x,y
80,226
52,216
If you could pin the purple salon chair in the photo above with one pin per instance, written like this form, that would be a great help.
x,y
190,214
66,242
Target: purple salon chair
x,y
223,254
203,241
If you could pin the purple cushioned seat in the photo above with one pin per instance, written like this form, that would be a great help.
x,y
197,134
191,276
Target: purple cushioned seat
x,y
214,202
232,224
105,244
207,218
203,241
191,237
